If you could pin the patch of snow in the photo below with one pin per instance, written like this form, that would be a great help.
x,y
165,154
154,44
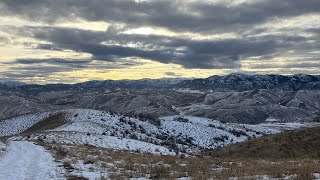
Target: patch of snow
x,y
89,171
189,91
283,126
184,178
272,120
316,176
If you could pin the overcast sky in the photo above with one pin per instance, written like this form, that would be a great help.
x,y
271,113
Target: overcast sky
x,y
51,41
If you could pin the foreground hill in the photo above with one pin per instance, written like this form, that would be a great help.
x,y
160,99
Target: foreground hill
x,y
303,143
172,135
91,144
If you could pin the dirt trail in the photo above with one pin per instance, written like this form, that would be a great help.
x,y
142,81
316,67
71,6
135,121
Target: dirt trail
x,y
25,160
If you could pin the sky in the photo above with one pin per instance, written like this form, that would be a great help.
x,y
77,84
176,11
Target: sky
x,y
69,41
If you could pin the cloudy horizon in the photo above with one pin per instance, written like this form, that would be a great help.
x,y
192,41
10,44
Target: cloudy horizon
x,y
69,41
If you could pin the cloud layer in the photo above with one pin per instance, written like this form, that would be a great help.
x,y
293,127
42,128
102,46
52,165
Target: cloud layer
x,y
224,36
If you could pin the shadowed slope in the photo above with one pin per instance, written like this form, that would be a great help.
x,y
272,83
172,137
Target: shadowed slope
x,y
51,122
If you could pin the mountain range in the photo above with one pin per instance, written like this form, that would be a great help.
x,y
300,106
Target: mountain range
x,y
236,81
238,98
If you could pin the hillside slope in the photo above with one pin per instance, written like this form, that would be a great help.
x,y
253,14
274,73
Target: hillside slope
x,y
304,143
170,135
250,107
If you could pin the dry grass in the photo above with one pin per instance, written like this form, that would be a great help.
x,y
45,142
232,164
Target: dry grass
x,y
67,164
121,165
53,121
303,143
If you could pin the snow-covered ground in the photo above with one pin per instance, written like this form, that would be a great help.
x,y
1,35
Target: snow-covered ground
x,y
186,132
206,132
104,142
19,124
2,146
25,160
168,135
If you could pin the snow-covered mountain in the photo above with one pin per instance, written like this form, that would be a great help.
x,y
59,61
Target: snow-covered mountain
x,y
11,83
244,82
132,84
235,81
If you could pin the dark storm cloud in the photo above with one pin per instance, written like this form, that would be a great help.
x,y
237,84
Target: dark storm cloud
x,y
42,67
24,68
289,65
224,53
33,71
53,61
41,70
175,15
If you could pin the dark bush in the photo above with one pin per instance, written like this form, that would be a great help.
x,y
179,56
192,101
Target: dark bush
x,y
238,133
61,152
221,138
122,119
150,118
181,119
